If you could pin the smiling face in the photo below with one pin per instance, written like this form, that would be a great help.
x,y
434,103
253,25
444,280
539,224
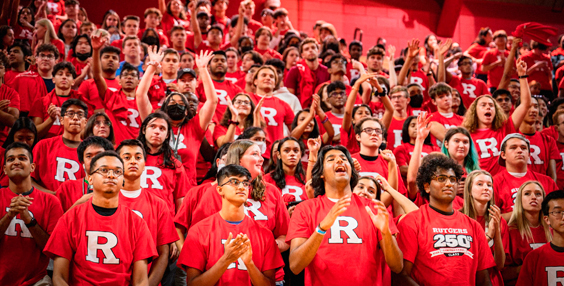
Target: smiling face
x,y
361,113
18,164
243,104
532,197
458,146
366,188
301,118
156,132
133,160
252,160
265,80
290,153
482,188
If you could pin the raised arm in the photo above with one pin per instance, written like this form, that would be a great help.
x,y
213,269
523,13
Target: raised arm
x,y
423,129
162,7
313,145
97,43
298,131
521,110
208,109
195,26
388,244
440,53
508,68
329,131
351,99
143,103
412,52
239,28
391,66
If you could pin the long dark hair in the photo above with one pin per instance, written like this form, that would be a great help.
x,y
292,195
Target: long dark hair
x,y
461,107
32,22
317,182
405,138
21,123
75,42
480,40
314,133
89,129
271,165
278,174
250,132
249,121
212,172
165,149
164,107
60,31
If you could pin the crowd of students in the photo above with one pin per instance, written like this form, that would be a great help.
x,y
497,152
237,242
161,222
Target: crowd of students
x,y
204,149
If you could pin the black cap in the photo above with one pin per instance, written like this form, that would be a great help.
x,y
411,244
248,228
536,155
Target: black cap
x,y
266,11
182,72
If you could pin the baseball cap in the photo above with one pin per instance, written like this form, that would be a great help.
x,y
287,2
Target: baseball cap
x,y
182,72
500,160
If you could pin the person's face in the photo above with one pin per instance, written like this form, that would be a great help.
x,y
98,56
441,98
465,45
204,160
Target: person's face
x,y
132,48
192,102
214,36
443,101
88,30
88,154
8,39
531,198
515,90
178,37
18,164
45,61
458,146
187,62
129,79
112,20
250,74
24,136
131,27
290,153
432,42
152,20
175,7
267,20
247,62
40,31
220,6
266,79
263,38
187,83
252,160
535,89
243,105
234,193
489,37
69,30
375,62
218,65
412,128
156,132
501,42
82,16
445,191
102,127
63,79
82,46
533,112
310,52
336,167
107,185
338,66
337,98
282,19
133,161
399,100
538,124
355,52
371,134
25,15
232,59
543,109
74,119
303,117
360,114
516,152
170,64
15,56
203,22
72,10
465,66
485,109
110,62
259,137
554,220
366,188
176,99
324,33
560,125
504,100
482,188
455,102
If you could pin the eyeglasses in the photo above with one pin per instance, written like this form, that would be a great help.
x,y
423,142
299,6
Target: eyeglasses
x,y
336,94
46,57
106,171
369,130
105,122
397,97
444,178
242,102
507,99
236,183
126,75
337,62
557,214
71,114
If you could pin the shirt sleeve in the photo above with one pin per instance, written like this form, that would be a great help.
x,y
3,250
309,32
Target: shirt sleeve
x,y
193,254
291,80
282,216
144,246
401,156
166,232
59,243
407,238
272,258
300,223
527,271
488,58
485,257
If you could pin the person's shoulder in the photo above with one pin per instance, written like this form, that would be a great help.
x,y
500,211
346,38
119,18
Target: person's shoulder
x,y
27,74
356,155
48,141
155,200
542,178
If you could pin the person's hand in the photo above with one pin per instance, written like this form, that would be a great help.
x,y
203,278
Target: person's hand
x,y
356,165
203,59
388,156
53,111
383,182
495,219
19,205
423,125
413,48
154,54
380,220
314,106
247,256
515,44
172,86
443,47
391,51
192,8
234,112
174,253
242,9
234,248
521,67
313,145
97,42
460,187
4,103
340,207
318,109
86,69
356,65
363,78
30,60
291,210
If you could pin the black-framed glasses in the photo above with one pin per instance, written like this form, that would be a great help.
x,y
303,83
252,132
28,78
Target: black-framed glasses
x,y
557,214
106,171
336,93
444,178
369,130
236,183
71,114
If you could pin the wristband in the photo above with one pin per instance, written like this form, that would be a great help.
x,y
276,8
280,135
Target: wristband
x,y
489,237
32,223
523,76
325,120
229,122
320,231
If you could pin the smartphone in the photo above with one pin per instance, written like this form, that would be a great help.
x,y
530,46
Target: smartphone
x,y
291,204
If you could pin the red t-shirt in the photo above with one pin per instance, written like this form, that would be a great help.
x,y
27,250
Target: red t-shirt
x,y
191,136
123,113
223,89
11,75
235,76
294,191
276,113
268,54
495,74
394,133
348,139
168,184
157,92
221,130
353,73
444,249
336,121
254,25
168,21
22,260
488,145
163,39
353,237
41,106
495,275
551,131
506,187
542,75
22,33
477,51
292,81
90,91
153,210
469,89
378,167
78,66
205,246
421,78
8,93
448,122
70,191
404,151
543,266
31,87
184,216
520,248
55,163
543,149
560,166
101,249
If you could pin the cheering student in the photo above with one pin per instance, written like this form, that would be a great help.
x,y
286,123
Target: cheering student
x,y
436,234
109,59
79,190
27,219
542,265
289,175
230,248
318,224
240,115
148,206
101,236
57,160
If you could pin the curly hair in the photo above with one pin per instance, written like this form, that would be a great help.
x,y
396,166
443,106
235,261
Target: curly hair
x,y
234,155
471,120
317,182
429,167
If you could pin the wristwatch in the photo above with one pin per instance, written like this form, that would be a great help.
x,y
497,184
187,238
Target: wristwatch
x,y
32,223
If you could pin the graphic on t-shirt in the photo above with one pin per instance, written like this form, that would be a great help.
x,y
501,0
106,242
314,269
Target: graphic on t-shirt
x,y
294,191
12,231
151,173
346,225
254,206
452,242
94,244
